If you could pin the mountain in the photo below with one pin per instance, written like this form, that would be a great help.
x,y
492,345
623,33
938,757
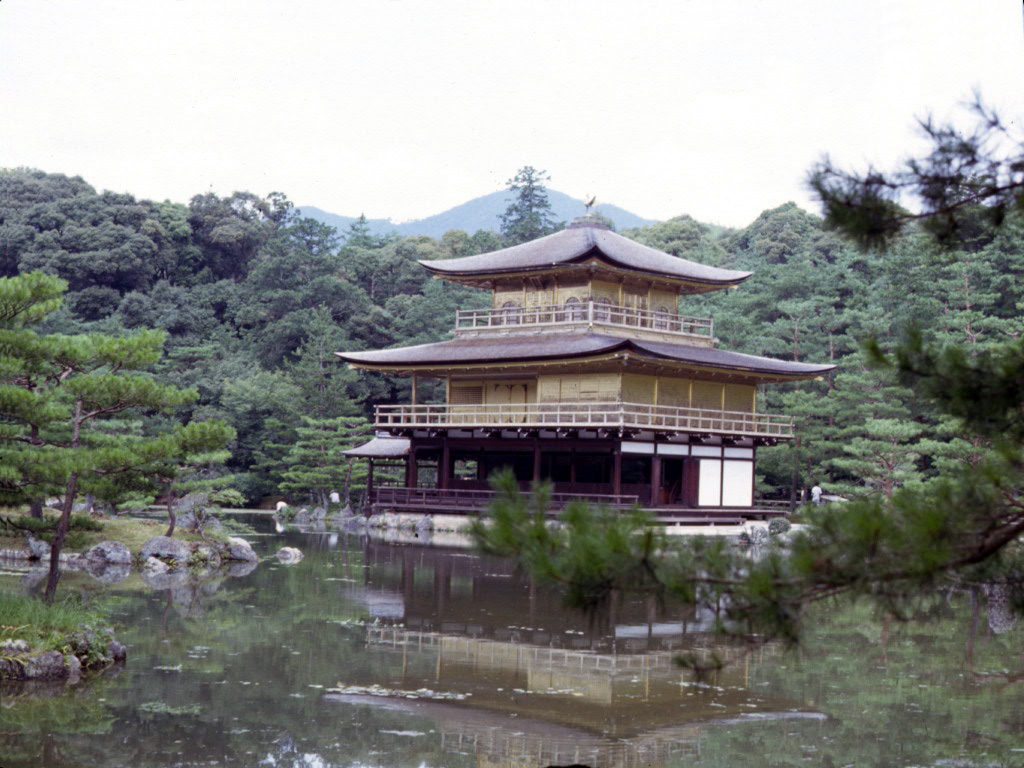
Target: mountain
x,y
478,213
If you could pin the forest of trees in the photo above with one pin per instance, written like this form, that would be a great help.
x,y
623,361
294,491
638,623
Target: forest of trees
x,y
254,301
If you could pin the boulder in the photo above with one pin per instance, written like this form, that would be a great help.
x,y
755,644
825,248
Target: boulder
x,y
73,561
117,651
12,647
167,580
74,667
166,548
38,549
206,554
301,517
110,552
153,565
44,666
289,555
759,535
319,513
239,549
108,573
239,568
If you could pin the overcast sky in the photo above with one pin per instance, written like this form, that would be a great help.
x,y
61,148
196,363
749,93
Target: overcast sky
x,y
403,108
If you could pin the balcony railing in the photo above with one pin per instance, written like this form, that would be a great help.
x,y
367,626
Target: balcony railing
x,y
584,313
584,416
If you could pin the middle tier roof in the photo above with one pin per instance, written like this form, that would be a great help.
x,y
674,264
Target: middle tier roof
x,y
580,352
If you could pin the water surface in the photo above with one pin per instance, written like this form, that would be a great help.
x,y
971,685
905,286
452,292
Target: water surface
x,y
367,654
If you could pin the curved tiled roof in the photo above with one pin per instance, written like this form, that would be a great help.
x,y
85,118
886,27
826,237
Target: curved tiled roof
x,y
579,243
381,448
574,345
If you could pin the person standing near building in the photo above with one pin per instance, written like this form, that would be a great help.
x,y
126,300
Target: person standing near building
x,y
816,495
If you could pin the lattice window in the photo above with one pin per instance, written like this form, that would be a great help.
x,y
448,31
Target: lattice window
x,y
467,395
707,395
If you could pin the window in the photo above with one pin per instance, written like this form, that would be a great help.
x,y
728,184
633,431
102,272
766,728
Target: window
x,y
574,310
510,313
661,318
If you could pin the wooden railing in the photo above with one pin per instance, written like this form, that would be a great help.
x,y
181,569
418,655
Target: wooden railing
x,y
584,313
461,501
585,416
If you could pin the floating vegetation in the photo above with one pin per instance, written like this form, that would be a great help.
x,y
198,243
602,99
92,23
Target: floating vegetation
x,y
165,668
162,708
396,693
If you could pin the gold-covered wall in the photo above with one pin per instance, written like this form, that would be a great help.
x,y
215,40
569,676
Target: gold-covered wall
x,y
604,388
583,387
532,293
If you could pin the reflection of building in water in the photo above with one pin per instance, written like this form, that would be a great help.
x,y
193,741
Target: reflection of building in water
x,y
538,684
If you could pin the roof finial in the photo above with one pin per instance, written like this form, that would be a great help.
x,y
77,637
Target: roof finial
x,y
588,204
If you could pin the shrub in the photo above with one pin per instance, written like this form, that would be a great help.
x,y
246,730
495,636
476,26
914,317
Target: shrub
x,y
778,525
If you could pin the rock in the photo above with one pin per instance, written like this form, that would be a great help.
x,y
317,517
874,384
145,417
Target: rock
x,y
39,549
240,568
204,553
110,552
759,535
73,561
73,665
166,580
154,565
109,573
10,647
44,666
319,513
166,548
117,651
301,517
289,555
239,549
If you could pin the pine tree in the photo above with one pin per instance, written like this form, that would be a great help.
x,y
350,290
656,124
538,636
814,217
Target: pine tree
x,y
314,462
528,215
56,391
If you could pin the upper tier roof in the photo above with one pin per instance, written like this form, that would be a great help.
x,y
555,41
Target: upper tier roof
x,y
579,243
525,349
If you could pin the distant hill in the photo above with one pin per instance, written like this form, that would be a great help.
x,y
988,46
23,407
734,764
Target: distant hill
x,y
479,213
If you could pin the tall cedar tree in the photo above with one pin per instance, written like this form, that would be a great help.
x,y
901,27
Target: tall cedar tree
x,y
528,215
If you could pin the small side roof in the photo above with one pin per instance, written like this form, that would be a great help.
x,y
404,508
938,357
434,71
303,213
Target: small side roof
x,y
380,448
577,244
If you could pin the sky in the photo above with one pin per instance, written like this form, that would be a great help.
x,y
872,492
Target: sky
x,y
403,108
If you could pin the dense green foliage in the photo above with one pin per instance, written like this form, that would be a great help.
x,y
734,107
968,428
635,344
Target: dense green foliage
x,y
254,301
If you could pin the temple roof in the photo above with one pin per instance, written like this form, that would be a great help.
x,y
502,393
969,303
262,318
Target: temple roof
x,y
380,447
570,346
580,243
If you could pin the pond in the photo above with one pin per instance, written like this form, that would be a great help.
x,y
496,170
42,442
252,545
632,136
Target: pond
x,y
370,654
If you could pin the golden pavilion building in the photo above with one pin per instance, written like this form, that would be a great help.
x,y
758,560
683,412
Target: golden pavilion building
x,y
581,372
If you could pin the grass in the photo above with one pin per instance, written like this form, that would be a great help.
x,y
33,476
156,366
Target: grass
x,y
133,533
47,627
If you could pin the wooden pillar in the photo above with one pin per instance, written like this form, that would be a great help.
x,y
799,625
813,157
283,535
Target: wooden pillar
x,y
655,480
617,471
536,459
411,472
414,395
369,482
444,468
